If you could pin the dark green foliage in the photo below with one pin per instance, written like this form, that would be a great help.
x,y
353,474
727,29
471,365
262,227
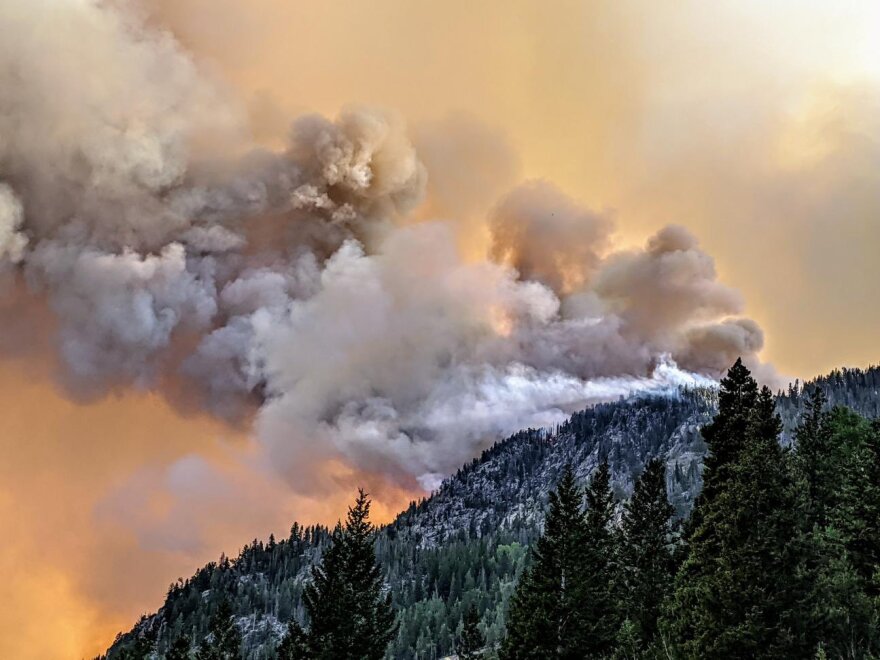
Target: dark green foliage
x,y
597,577
837,472
629,645
471,641
646,559
725,435
565,604
141,649
817,464
842,617
179,649
546,617
857,513
738,593
350,617
295,644
224,640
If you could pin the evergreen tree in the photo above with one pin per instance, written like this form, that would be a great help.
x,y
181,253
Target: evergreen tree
x,y
738,594
646,560
628,645
545,619
599,609
816,463
141,649
350,617
294,645
857,514
725,435
224,639
470,644
834,463
842,617
179,649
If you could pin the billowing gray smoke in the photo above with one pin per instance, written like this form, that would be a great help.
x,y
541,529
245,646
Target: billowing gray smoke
x,y
295,286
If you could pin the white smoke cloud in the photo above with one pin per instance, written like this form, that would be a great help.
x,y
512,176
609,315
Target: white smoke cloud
x,y
119,310
12,241
296,287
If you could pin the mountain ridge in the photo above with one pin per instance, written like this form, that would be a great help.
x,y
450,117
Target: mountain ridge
x,y
467,542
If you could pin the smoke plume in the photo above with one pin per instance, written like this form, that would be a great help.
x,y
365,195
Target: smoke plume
x,y
301,287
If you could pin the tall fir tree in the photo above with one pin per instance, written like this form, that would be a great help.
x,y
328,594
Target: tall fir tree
x,y
350,617
224,639
646,553
857,514
739,593
471,641
834,463
546,619
816,464
725,435
599,610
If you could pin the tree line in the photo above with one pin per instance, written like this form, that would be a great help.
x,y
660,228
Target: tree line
x,y
780,557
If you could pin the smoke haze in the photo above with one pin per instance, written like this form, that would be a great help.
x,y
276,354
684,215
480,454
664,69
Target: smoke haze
x,y
201,235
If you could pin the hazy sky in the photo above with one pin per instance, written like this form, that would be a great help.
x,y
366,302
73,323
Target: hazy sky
x,y
755,125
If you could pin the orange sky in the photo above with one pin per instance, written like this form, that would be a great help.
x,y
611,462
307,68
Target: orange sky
x,y
753,125
98,526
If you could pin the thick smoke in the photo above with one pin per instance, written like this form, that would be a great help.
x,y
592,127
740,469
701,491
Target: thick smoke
x,y
12,241
296,285
548,238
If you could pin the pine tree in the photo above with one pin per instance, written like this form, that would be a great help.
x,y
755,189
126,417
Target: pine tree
x,y
815,461
224,639
599,609
834,464
646,560
328,599
726,433
294,645
842,618
471,643
179,649
738,593
628,645
350,617
857,512
545,617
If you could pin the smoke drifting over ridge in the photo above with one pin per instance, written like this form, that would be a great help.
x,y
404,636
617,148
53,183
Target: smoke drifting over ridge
x,y
294,286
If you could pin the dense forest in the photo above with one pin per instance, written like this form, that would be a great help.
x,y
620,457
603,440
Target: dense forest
x,y
460,576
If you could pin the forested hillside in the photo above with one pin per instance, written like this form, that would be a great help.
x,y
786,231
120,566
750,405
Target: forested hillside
x,y
466,544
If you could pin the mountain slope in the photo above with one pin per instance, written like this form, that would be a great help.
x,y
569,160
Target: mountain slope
x,y
467,542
